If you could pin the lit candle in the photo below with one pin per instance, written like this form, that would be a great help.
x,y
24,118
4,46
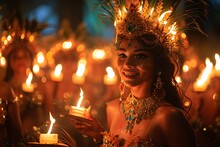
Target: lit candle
x,y
78,110
99,54
79,77
28,86
57,74
110,78
67,45
204,78
217,65
49,138
41,59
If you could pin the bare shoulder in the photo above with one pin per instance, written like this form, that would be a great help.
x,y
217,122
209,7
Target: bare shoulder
x,y
172,121
168,114
112,105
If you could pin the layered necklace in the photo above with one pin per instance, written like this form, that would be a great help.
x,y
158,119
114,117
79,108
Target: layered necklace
x,y
138,109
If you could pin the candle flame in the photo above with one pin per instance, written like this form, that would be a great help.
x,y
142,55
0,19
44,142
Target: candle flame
x,y
80,99
205,75
40,58
67,45
110,72
99,54
58,70
217,64
2,61
51,125
81,68
185,68
30,76
36,68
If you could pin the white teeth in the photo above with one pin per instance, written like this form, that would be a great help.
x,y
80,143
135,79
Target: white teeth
x,y
129,74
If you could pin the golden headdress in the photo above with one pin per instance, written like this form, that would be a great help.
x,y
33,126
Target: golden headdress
x,y
19,34
134,18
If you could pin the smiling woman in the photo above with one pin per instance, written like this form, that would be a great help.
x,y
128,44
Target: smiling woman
x,y
147,47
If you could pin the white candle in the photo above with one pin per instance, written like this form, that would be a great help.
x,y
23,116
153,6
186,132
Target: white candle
x,y
28,86
57,74
110,78
78,110
79,77
217,65
49,138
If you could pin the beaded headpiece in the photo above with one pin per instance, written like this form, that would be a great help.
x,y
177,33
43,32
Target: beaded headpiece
x,y
19,34
135,18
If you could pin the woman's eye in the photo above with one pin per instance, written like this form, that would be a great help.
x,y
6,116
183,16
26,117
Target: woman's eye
x,y
141,56
121,55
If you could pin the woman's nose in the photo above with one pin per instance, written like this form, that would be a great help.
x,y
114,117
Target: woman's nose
x,y
129,62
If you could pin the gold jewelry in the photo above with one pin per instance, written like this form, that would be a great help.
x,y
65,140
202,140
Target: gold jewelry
x,y
138,109
156,17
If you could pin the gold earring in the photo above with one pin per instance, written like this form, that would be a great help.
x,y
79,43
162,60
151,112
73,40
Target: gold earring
x,y
158,91
121,90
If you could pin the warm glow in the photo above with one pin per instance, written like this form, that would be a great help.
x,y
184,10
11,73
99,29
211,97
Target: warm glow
x,y
162,15
22,36
125,10
40,58
58,70
185,68
99,54
217,64
80,99
81,68
151,12
120,13
187,104
67,45
2,61
140,8
51,125
183,35
206,73
9,38
172,29
110,72
31,38
29,79
178,79
36,68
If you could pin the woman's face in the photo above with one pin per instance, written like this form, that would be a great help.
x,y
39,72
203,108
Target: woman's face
x,y
20,60
135,63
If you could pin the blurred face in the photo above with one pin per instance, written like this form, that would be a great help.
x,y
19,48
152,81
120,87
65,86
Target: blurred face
x,y
135,63
20,60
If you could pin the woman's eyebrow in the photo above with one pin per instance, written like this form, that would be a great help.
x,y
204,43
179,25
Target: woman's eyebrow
x,y
120,49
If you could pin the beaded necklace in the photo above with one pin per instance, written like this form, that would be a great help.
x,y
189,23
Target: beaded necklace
x,y
136,109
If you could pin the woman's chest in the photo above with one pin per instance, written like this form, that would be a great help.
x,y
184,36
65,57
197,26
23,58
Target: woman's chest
x,y
147,130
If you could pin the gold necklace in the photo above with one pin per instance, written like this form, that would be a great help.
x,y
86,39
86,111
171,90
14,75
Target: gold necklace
x,y
136,109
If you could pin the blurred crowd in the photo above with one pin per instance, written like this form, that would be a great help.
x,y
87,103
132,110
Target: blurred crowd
x,y
42,75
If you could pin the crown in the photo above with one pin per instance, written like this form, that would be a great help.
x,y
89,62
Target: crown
x,y
13,34
135,18
141,19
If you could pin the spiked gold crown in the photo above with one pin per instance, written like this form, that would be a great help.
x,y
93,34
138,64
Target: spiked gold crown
x,y
134,18
140,19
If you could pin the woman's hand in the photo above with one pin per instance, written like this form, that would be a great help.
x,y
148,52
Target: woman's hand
x,y
90,127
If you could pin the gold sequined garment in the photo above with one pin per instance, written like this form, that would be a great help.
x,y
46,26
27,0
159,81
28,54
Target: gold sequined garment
x,y
111,140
